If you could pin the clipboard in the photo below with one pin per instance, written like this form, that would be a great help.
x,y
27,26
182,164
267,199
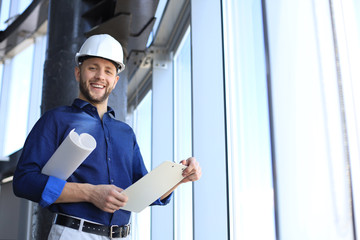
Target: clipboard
x,y
152,186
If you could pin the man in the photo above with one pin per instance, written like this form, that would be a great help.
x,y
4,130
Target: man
x,y
88,202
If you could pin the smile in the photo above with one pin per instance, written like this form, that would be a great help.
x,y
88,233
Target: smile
x,y
97,86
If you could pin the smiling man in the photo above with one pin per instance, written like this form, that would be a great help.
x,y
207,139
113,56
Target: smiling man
x,y
98,89
87,204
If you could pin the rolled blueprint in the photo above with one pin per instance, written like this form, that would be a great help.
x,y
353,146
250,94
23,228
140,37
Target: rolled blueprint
x,y
69,155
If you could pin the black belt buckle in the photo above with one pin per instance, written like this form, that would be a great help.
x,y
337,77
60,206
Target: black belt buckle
x,y
125,231
115,233
119,231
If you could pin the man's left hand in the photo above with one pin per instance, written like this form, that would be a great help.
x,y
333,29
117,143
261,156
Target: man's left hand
x,y
193,171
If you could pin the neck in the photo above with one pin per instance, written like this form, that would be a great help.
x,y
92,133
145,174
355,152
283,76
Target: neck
x,y
101,107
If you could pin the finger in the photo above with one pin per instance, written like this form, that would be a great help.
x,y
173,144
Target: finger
x,y
116,207
113,207
191,169
194,176
109,209
122,199
119,205
118,195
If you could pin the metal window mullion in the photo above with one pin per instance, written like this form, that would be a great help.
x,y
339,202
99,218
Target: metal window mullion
x,y
36,82
4,102
271,118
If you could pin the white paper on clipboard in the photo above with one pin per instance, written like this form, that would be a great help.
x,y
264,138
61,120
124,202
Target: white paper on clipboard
x,y
153,185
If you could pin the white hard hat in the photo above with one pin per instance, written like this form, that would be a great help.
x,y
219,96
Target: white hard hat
x,y
104,46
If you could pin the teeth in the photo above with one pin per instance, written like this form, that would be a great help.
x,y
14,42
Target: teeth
x,y
97,86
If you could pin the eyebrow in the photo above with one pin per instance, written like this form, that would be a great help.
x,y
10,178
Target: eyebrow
x,y
106,66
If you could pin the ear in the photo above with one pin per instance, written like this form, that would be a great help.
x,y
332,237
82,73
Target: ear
x,y
77,73
116,80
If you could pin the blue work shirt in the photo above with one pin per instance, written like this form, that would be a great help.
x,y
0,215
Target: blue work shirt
x,y
116,160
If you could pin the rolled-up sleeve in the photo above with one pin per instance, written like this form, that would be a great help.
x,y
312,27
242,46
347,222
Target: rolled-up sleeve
x,y
164,201
52,191
29,182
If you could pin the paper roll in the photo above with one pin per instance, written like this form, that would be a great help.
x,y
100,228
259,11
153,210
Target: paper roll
x,y
69,155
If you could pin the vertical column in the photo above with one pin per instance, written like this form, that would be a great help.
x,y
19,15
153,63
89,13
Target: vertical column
x,y
118,97
162,147
4,96
210,192
65,35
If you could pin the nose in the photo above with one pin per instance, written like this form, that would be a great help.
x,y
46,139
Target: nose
x,y
100,74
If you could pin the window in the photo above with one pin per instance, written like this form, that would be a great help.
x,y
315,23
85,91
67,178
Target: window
x,y
2,106
1,74
37,81
311,146
4,14
23,4
183,135
346,25
208,121
18,94
357,16
142,124
158,15
248,132
10,9
168,123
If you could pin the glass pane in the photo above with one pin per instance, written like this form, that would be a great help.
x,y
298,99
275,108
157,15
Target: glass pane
x,y
142,127
4,13
37,81
158,15
357,15
23,4
346,19
313,185
2,108
249,156
1,74
17,105
183,135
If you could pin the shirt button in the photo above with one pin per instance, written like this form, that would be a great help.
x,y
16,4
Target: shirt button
x,y
112,180
109,159
93,109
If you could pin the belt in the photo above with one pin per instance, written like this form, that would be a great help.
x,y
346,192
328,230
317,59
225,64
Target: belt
x,y
113,231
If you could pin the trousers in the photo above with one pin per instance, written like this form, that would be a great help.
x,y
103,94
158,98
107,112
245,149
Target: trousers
x,y
58,232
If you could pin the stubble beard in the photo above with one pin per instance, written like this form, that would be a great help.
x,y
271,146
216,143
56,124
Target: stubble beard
x,y
85,91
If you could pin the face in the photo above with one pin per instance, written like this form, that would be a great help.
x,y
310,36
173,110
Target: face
x,y
97,77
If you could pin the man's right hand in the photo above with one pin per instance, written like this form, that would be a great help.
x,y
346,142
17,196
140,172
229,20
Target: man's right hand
x,y
108,197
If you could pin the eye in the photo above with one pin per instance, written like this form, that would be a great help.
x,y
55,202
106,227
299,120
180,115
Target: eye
x,y
109,72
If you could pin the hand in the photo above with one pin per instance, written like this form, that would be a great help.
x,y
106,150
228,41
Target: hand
x,y
191,174
193,171
108,198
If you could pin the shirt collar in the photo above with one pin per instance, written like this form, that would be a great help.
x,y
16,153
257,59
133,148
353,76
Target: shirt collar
x,y
82,104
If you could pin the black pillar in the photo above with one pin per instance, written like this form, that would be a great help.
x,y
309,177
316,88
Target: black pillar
x,y
65,34
66,30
